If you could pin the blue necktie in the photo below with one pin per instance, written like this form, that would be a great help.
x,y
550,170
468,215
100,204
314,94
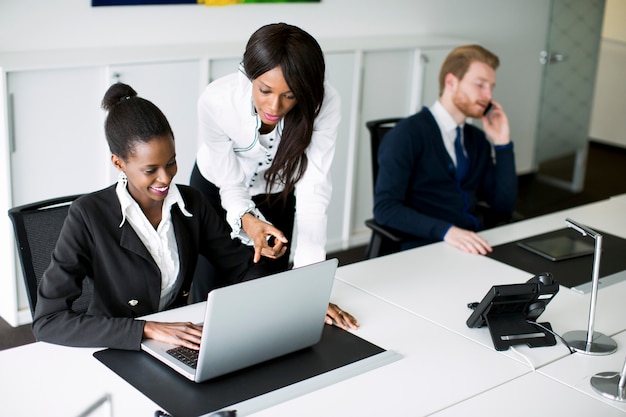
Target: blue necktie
x,y
462,163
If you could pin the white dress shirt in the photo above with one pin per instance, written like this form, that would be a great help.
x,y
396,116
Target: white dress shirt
x,y
447,126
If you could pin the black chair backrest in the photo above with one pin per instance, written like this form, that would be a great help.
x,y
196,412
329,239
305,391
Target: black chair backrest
x,y
37,227
378,129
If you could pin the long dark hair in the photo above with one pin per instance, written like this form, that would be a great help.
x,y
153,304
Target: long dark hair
x,y
302,62
131,119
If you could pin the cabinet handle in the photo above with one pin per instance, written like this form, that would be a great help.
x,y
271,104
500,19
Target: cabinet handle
x,y
11,121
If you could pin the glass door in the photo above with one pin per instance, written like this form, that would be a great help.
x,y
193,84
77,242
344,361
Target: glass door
x,y
570,61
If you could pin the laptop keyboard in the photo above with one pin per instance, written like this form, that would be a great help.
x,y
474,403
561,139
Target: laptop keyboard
x,y
187,356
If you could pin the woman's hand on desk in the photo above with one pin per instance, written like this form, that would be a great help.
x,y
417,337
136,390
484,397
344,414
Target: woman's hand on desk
x,y
343,319
268,240
467,241
181,334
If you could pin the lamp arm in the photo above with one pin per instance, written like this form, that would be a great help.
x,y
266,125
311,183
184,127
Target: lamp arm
x,y
582,229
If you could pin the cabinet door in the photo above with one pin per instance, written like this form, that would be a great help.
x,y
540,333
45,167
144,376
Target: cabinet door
x,y
58,145
174,87
219,67
431,60
340,72
395,84
388,90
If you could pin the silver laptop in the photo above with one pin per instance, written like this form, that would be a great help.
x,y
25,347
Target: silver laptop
x,y
257,320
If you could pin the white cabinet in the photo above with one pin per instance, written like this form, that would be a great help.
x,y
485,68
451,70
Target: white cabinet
x,y
55,147
174,87
220,67
395,83
340,72
56,141
388,88
51,123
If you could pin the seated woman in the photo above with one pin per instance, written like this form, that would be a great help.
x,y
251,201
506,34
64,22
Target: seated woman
x,y
138,241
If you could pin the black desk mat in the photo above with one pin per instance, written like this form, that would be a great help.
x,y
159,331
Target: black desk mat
x,y
181,397
568,272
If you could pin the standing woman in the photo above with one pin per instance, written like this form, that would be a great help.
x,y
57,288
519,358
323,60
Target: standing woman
x,y
267,141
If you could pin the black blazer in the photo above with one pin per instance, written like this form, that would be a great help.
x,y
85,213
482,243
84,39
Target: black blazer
x,y
126,279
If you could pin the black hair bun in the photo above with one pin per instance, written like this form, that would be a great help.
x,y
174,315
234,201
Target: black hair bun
x,y
117,93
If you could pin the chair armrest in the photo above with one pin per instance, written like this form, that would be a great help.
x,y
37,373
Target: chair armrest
x,y
391,234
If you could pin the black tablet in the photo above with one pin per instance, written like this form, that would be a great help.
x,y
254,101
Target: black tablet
x,y
558,248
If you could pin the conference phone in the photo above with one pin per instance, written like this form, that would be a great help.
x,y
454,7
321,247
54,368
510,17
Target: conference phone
x,y
511,312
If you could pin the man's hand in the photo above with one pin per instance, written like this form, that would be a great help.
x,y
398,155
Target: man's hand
x,y
261,234
496,125
467,241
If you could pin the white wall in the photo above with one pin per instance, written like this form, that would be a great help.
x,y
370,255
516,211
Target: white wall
x,y
32,25
610,92
513,29
614,18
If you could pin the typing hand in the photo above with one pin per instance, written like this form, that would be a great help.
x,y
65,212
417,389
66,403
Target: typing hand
x,y
180,334
467,241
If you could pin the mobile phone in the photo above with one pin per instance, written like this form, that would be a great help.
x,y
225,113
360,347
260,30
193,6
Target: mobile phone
x,y
488,108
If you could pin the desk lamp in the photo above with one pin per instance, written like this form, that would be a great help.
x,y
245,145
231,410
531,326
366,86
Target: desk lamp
x,y
610,384
591,343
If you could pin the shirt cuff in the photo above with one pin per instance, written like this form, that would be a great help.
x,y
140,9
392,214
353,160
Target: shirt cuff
x,y
238,232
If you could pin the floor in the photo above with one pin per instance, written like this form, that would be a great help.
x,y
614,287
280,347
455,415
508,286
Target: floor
x,y
605,177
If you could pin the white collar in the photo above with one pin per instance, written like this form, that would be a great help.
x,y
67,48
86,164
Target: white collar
x,y
444,119
126,200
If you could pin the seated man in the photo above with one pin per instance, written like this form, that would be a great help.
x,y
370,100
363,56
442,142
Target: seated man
x,y
429,181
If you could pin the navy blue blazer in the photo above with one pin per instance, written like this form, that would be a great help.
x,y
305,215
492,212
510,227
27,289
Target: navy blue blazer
x,y
126,278
417,191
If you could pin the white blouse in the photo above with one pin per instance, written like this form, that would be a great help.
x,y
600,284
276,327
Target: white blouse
x,y
234,156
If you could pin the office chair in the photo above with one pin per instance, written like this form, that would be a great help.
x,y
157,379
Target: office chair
x,y
37,227
384,240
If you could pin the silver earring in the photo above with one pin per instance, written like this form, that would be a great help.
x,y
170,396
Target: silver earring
x,y
122,178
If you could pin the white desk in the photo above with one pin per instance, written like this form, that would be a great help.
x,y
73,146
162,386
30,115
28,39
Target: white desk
x,y
413,303
436,282
620,198
532,395
438,367
69,379
576,370
42,379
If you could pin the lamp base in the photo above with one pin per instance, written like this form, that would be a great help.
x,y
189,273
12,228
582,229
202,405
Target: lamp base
x,y
607,385
600,344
